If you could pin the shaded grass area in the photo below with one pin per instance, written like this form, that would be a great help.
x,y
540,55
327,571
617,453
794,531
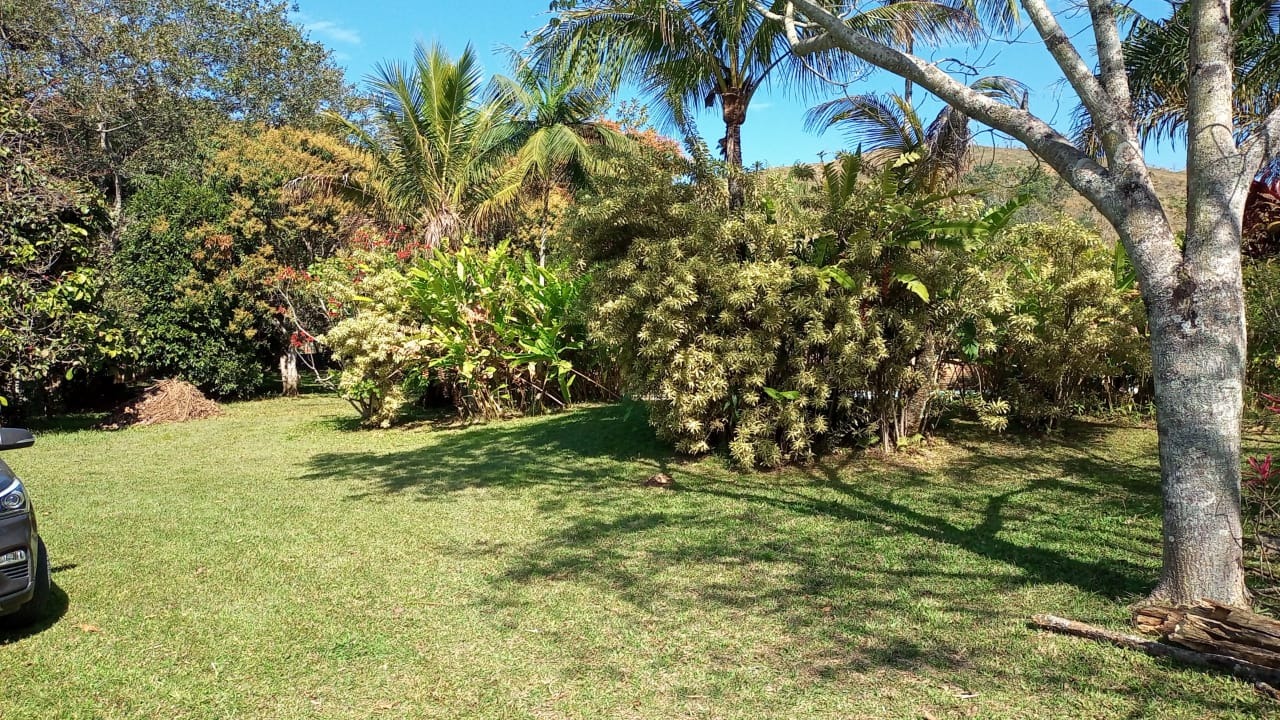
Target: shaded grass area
x,y
275,563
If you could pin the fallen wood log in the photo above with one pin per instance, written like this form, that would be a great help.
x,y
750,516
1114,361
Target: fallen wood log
x,y
1214,628
1240,668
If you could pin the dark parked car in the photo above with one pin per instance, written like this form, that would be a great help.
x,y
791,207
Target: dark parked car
x,y
24,565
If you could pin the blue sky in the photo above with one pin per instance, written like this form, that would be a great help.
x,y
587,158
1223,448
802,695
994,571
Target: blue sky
x,y
362,34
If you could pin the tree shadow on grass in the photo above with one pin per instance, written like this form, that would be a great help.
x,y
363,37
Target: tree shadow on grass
x,y
598,452
867,579
582,449
866,566
66,423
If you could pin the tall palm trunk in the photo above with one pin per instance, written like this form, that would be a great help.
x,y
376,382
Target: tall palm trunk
x,y
734,103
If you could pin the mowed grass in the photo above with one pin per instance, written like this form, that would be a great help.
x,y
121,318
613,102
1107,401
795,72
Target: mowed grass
x,y
278,563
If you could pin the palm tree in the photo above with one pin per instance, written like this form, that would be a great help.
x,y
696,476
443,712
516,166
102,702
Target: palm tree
x,y
441,152
891,131
554,108
720,52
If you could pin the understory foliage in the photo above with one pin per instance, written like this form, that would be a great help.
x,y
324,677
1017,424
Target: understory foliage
x,y
827,312
503,331
204,265
51,322
1261,501
488,329
1262,305
1074,341
800,321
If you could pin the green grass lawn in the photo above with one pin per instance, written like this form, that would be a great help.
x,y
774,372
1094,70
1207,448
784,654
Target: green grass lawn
x,y
277,563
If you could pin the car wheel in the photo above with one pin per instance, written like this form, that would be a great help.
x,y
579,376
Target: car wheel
x,y
34,609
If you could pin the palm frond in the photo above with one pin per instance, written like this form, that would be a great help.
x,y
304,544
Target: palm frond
x,y
883,123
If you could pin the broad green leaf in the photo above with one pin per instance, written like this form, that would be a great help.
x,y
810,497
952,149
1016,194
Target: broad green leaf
x,y
782,395
914,284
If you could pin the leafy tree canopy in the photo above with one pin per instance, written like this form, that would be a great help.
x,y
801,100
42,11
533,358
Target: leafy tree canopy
x,y
127,87
50,227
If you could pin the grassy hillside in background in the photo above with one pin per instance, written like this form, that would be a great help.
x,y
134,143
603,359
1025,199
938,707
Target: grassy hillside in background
x,y
1006,171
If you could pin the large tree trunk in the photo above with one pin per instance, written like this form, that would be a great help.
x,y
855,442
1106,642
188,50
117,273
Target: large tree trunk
x,y
1195,310
1198,354
1198,341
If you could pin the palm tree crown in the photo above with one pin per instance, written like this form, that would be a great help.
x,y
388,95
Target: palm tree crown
x,y
440,150
555,109
892,131
704,53
1156,54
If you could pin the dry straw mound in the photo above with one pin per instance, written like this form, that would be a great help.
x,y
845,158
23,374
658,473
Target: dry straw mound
x,y
168,401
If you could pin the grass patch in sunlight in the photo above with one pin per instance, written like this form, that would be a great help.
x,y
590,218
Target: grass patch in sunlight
x,y
274,563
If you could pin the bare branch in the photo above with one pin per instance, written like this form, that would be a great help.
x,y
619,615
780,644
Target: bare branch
x,y
1118,134
1110,54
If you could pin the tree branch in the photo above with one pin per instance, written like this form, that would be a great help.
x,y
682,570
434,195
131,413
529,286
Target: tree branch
x,y
1080,75
1106,34
1215,165
1075,166
1119,137
1263,144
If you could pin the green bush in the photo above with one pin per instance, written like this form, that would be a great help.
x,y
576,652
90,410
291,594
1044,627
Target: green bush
x,y
805,320
377,342
195,295
651,190
503,333
487,328
1074,340
52,323
1262,303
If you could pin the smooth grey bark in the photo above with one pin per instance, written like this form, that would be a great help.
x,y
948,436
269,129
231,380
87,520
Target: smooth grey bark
x,y
1198,353
1193,293
1198,340
289,377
